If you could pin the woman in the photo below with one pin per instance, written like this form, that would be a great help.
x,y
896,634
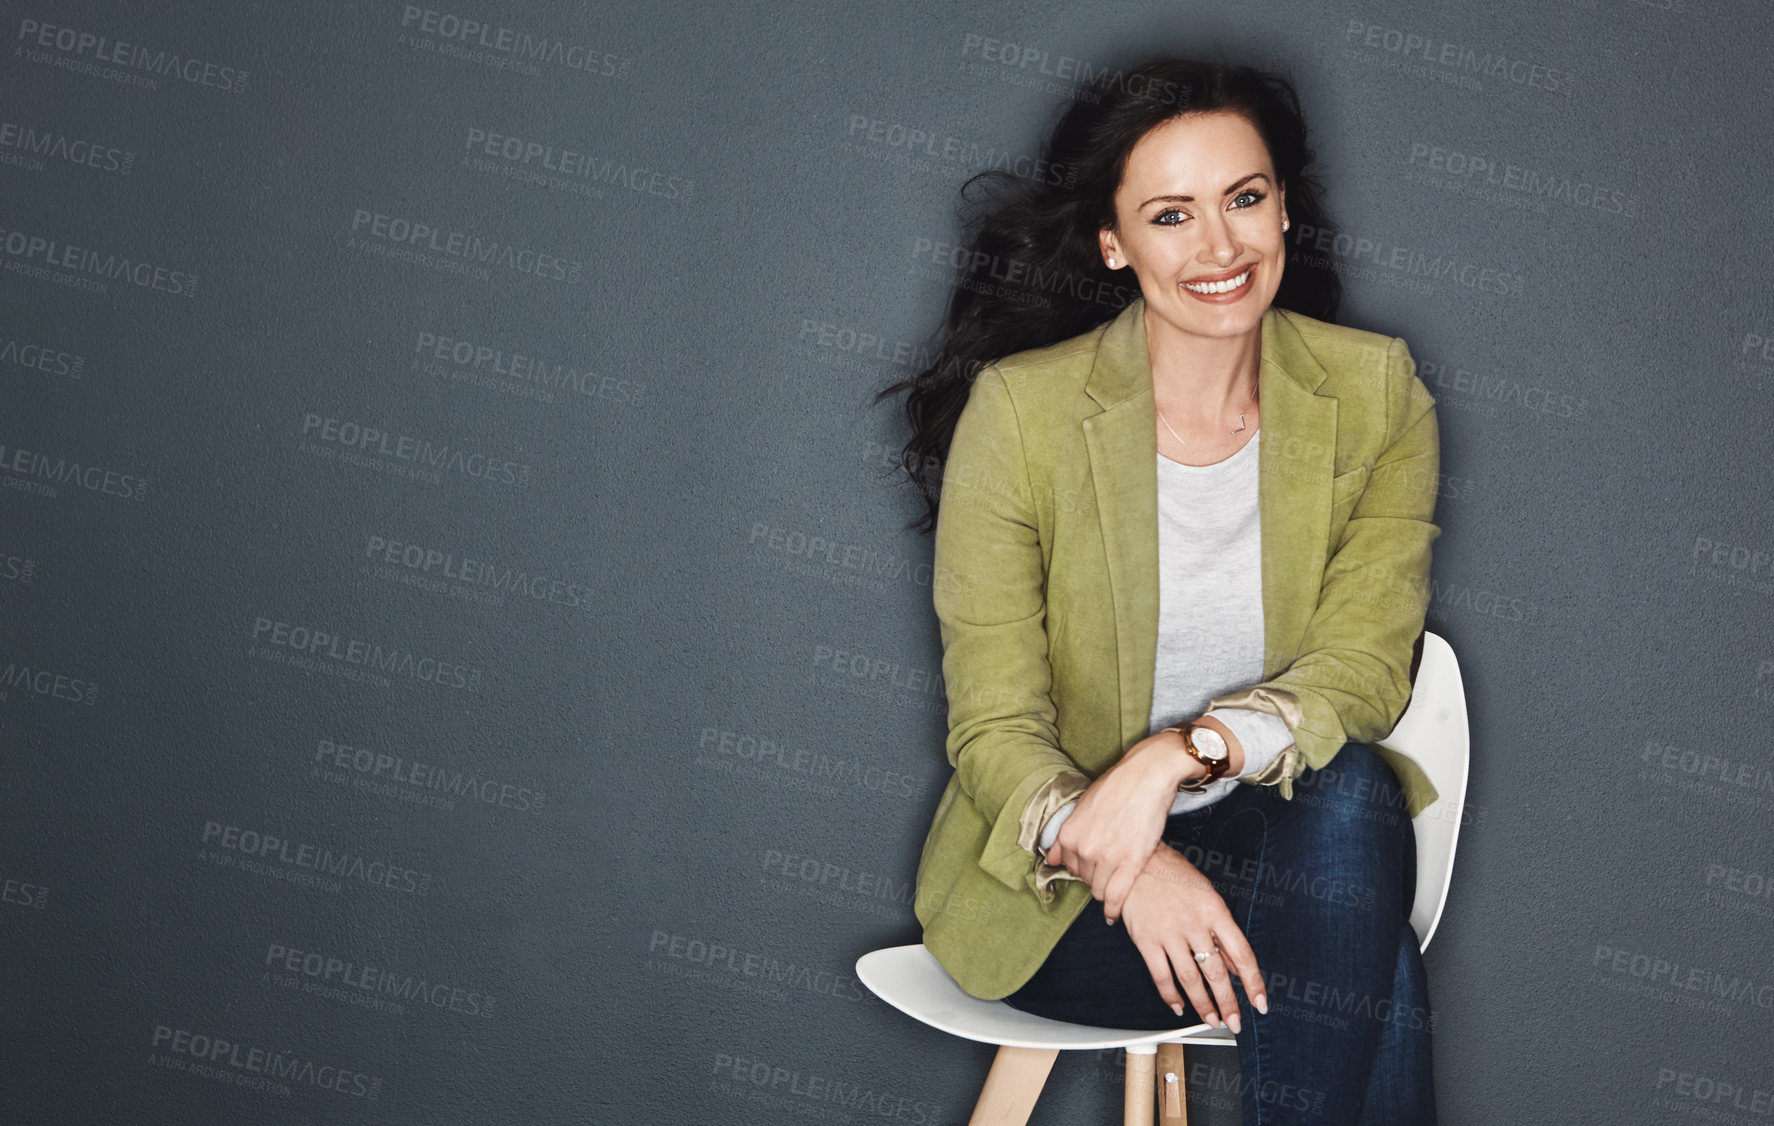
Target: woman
x,y
1182,551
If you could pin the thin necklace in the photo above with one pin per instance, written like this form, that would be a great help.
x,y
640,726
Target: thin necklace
x,y
1184,441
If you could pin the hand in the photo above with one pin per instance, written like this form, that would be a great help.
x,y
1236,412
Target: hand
x,y
1119,819
1173,911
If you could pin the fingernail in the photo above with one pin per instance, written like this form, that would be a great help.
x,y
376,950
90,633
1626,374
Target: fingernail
x,y
1214,1019
1262,1004
1233,1022
1177,1009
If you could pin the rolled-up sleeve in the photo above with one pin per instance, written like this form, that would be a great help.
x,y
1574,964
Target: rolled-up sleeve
x,y
990,600
1262,736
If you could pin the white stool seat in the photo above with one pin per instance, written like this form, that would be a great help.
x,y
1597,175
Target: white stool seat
x,y
911,980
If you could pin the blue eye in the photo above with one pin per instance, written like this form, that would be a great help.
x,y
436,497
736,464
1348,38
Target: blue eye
x,y
1171,217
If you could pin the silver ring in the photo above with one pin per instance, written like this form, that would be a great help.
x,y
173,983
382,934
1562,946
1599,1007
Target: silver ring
x,y
1201,956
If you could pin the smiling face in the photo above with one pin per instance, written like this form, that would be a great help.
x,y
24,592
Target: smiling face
x,y
1198,217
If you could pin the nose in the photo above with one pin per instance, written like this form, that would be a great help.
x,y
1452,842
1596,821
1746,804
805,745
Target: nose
x,y
1218,245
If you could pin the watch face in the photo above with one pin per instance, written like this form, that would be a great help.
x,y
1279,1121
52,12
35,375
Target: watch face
x,y
1210,743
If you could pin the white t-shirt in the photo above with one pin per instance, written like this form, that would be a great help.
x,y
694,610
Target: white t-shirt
x,y
1210,611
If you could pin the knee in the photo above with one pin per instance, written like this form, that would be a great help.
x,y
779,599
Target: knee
x,y
1358,786
1361,772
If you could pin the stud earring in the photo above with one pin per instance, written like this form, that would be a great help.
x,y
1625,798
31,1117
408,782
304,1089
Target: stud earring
x,y
1284,224
1111,263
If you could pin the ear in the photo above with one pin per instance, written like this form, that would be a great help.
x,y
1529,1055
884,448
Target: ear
x,y
1110,246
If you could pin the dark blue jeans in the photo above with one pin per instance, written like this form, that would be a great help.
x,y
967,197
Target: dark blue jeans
x,y
1322,887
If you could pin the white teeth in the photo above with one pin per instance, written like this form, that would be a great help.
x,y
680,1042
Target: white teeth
x,y
1226,286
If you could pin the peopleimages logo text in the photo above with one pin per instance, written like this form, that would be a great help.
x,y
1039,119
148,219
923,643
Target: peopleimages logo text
x,y
316,858
353,651
132,56
467,31
420,235
266,1063
26,249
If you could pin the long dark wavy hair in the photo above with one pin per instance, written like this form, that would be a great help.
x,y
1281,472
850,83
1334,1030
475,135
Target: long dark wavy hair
x,y
1031,272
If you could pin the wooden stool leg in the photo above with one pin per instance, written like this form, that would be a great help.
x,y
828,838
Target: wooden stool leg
x,y
1136,1107
1173,1093
1012,1086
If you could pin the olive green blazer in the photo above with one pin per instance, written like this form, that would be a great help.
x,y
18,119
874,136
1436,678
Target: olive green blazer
x,y
1046,592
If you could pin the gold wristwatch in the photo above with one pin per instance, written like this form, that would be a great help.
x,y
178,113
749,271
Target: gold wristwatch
x,y
1207,747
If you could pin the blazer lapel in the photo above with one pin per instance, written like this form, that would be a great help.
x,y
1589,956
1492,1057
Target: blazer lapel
x,y
1294,467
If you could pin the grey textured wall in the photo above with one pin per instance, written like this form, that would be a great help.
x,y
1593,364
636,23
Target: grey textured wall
x,y
420,662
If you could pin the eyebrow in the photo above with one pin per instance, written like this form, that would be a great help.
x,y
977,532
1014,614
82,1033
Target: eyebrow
x,y
1191,199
